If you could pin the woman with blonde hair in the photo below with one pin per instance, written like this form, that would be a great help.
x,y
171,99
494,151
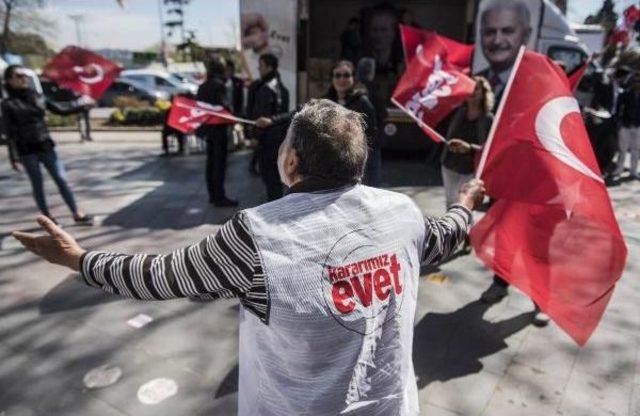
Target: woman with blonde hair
x,y
467,133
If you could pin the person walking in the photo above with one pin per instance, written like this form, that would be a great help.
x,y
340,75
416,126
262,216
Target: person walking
x,y
269,100
213,91
327,276
467,133
365,75
629,135
30,143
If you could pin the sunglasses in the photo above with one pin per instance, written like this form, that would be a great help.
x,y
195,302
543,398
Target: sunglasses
x,y
345,75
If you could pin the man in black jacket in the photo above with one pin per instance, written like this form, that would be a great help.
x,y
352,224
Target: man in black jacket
x,y
269,97
213,91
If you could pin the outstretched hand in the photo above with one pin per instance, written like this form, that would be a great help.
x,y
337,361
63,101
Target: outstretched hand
x,y
57,246
472,193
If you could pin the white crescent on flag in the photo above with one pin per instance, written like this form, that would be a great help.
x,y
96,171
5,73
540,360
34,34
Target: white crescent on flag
x,y
547,129
99,76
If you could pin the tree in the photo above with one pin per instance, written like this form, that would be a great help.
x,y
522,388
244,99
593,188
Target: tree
x,y
10,8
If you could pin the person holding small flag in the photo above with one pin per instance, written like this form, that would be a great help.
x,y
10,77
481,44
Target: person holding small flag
x,y
214,91
467,132
30,143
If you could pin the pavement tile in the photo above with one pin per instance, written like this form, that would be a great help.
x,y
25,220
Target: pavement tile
x,y
466,395
587,395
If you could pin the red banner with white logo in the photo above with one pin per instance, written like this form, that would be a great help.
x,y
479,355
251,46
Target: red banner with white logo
x,y
414,41
186,115
552,231
82,71
432,87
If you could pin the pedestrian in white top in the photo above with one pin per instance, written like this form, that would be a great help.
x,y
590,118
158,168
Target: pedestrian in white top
x,y
327,276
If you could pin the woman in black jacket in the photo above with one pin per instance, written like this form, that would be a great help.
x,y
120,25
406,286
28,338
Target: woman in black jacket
x,y
30,143
346,92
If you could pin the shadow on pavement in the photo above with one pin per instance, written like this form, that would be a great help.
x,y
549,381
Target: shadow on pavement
x,y
450,345
71,294
181,201
445,345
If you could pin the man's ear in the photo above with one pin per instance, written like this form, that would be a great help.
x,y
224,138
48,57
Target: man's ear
x,y
291,163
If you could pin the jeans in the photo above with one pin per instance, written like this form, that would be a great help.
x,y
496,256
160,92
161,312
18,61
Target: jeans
x,y
628,142
49,159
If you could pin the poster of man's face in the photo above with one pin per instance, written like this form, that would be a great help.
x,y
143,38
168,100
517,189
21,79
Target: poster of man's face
x,y
502,26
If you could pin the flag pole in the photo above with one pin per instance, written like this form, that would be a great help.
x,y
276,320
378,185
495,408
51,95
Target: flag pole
x,y
232,118
496,120
417,120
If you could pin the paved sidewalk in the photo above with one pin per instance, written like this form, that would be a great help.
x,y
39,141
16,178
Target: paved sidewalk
x,y
70,350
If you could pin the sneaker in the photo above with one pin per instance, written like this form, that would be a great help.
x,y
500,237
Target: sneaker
x,y
225,202
494,294
84,220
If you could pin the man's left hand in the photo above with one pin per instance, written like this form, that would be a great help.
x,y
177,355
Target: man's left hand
x,y
57,246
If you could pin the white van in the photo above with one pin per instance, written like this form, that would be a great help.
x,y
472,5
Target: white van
x,y
156,80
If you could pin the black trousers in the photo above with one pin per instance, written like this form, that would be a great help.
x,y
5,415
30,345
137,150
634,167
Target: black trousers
x,y
216,162
268,157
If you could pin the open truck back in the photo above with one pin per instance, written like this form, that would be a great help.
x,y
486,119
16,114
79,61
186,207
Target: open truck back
x,y
310,35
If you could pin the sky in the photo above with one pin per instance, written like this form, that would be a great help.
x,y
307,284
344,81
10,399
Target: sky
x,y
578,10
137,26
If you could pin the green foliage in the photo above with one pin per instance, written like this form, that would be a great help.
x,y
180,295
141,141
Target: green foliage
x,y
55,120
138,116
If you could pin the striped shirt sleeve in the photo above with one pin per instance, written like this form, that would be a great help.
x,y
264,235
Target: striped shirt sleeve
x,y
443,235
223,265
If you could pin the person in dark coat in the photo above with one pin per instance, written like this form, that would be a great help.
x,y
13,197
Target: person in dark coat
x,y
235,89
213,91
345,91
269,100
365,74
30,144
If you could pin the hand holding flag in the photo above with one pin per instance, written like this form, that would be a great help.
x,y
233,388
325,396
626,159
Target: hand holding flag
x,y
186,115
552,231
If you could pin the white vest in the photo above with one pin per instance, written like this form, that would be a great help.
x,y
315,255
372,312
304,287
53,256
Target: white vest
x,y
342,271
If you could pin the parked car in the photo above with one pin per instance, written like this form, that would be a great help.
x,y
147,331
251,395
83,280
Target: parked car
x,y
159,81
128,88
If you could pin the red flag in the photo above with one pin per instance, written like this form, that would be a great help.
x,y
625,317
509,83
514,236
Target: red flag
x,y
82,71
576,76
187,115
431,87
552,231
624,27
413,41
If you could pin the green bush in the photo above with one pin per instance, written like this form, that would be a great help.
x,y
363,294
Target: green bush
x,y
55,120
138,116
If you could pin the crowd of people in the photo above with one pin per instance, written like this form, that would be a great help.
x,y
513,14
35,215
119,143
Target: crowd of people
x,y
321,166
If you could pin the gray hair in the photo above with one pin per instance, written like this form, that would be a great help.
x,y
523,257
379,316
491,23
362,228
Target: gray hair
x,y
518,6
329,140
366,69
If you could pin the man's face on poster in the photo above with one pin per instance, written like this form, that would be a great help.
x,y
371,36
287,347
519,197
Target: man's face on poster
x,y
503,30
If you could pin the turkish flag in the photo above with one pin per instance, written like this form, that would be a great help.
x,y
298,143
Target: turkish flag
x,y
82,71
414,40
186,115
431,87
552,231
